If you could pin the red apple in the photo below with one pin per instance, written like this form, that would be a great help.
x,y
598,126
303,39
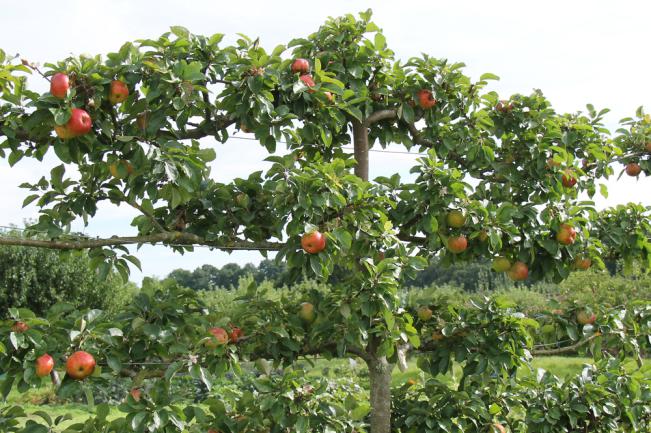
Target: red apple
x,y
136,393
59,85
220,337
457,244
306,313
437,336
566,234
19,327
519,271
501,264
80,122
235,334
585,318
308,81
648,147
582,263
633,169
300,66
313,242
425,99
456,219
80,365
424,314
504,106
568,179
44,365
118,92
499,428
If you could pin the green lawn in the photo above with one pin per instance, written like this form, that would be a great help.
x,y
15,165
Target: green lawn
x,y
560,366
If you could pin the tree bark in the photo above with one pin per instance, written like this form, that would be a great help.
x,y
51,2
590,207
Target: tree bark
x,y
169,238
360,142
379,370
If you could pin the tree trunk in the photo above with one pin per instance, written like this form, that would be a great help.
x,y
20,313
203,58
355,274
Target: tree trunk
x,y
360,141
379,370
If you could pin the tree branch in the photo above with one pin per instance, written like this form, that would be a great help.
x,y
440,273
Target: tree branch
x,y
380,115
149,216
416,138
205,130
167,238
332,347
566,349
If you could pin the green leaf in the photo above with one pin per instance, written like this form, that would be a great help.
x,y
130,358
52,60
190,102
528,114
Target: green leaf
x,y
344,238
316,266
182,32
356,113
488,76
407,113
114,363
29,199
380,42
603,189
137,420
361,411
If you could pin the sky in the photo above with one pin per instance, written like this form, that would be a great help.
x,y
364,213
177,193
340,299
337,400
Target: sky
x,y
576,52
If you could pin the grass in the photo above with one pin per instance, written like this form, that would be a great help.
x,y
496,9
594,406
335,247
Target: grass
x,y
37,399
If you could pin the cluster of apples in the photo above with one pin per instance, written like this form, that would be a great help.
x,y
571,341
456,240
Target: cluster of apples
x,y
302,67
80,122
221,337
517,271
79,365
456,244
566,235
568,177
425,314
504,106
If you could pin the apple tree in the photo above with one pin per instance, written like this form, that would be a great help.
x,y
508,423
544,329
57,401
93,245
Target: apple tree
x,y
506,179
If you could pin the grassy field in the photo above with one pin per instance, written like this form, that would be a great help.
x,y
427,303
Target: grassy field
x,y
560,366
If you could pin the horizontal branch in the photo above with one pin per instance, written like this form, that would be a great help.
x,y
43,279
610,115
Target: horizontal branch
x,y
204,130
567,349
167,238
380,115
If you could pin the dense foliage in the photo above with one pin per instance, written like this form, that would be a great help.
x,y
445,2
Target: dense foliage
x,y
37,279
509,181
165,334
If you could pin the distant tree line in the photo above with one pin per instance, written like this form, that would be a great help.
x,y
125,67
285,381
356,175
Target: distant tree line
x,y
471,277
37,278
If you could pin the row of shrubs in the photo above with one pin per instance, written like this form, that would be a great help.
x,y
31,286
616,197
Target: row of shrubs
x,y
603,398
